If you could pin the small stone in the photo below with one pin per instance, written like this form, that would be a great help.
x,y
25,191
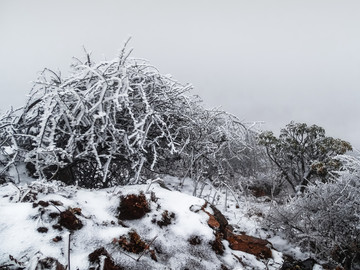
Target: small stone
x,y
42,230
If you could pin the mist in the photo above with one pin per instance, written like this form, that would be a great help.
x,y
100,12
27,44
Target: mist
x,y
273,62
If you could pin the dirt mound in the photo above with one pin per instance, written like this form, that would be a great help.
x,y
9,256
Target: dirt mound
x,y
133,207
70,221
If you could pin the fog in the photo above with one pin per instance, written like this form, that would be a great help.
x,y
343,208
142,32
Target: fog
x,y
270,61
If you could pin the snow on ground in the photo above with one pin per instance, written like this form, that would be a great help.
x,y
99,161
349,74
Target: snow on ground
x,y
245,214
21,219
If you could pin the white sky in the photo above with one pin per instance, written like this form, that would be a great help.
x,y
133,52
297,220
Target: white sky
x,y
262,60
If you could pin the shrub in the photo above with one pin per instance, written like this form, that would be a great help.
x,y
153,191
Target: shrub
x,y
118,122
101,125
325,218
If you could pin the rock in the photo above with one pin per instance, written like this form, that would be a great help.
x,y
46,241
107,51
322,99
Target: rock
x,y
195,240
217,244
252,245
221,219
217,221
56,203
100,254
41,203
292,264
42,230
57,239
212,222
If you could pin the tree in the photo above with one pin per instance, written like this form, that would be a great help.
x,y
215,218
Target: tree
x,y
303,153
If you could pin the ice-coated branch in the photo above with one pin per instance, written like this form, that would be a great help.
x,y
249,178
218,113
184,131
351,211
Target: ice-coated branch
x,y
120,121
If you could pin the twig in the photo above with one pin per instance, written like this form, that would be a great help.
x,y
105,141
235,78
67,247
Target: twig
x,y
24,195
68,255
152,241
5,266
127,255
232,192
226,198
56,207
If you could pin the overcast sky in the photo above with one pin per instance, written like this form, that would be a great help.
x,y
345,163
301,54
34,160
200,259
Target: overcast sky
x,y
272,61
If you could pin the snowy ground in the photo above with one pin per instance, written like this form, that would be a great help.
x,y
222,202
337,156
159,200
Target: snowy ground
x,y
23,245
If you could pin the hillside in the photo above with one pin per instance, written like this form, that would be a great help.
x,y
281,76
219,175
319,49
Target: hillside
x,y
114,229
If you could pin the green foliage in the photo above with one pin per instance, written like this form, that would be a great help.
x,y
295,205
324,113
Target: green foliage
x,y
303,153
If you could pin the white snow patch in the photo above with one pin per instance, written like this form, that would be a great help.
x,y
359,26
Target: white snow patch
x,y
285,247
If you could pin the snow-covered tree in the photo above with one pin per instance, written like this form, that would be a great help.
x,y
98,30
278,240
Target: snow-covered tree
x,y
303,153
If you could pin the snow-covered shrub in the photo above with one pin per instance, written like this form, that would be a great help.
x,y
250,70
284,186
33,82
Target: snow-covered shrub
x,y
10,153
325,219
116,122
103,123
215,148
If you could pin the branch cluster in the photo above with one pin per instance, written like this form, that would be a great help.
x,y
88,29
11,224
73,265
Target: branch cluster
x,y
116,121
